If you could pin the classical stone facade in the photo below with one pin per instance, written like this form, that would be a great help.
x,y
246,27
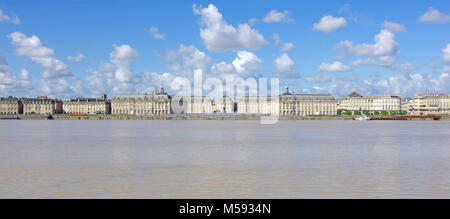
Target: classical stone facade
x,y
356,102
192,105
11,106
41,106
407,105
431,104
87,106
158,103
307,104
258,105
224,105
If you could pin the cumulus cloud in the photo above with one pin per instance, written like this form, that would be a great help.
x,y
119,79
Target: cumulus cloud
x,y
434,16
318,79
385,45
285,66
385,61
6,18
394,27
406,84
275,16
329,24
245,64
60,87
154,31
186,59
220,36
32,47
446,55
333,67
284,47
80,57
122,57
11,85
5,77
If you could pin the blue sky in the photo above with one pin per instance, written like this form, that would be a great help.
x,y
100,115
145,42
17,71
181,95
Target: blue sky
x,y
316,47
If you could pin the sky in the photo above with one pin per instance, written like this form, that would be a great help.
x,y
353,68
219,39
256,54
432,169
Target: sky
x,y
83,48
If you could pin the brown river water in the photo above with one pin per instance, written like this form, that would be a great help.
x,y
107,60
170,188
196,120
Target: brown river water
x,y
224,159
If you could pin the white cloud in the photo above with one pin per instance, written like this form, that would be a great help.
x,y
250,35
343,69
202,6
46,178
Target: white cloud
x,y
329,24
5,77
156,34
222,68
385,45
275,16
253,21
334,67
219,36
385,61
318,79
247,63
404,83
6,18
186,59
284,47
32,47
285,66
122,57
60,87
434,16
446,55
77,58
394,27
11,85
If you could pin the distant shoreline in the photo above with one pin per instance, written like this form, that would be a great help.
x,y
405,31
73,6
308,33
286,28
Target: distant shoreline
x,y
180,117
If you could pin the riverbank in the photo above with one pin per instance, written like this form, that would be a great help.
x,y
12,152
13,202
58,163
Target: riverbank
x,y
179,117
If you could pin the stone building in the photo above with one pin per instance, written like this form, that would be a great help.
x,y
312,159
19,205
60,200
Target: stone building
x,y
356,102
87,106
192,105
307,104
258,105
158,103
41,106
10,106
431,104
407,105
224,105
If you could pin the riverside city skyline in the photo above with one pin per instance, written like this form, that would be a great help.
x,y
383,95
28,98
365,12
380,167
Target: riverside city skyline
x,y
333,47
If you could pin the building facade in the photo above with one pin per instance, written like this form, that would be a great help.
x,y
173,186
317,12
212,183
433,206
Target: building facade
x,y
356,102
258,105
41,106
307,104
87,106
11,106
431,104
158,103
224,105
192,105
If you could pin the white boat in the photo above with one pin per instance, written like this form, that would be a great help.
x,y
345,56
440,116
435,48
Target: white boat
x,y
363,117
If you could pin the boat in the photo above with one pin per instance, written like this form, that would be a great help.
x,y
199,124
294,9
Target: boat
x,y
361,118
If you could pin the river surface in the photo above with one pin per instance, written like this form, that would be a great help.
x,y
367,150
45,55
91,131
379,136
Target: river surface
x,y
224,159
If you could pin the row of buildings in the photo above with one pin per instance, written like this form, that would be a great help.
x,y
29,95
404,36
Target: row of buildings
x,y
287,104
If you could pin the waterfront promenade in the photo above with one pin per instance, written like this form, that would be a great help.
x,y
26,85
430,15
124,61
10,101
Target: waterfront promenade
x,y
182,117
